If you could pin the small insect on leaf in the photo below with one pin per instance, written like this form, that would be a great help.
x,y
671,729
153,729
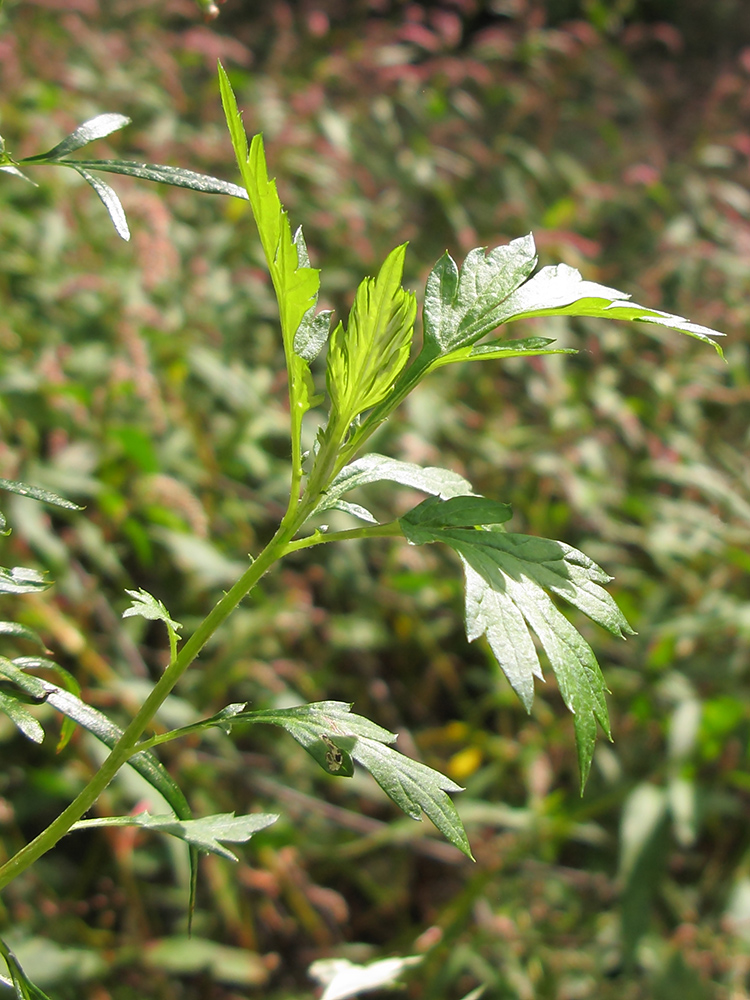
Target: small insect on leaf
x,y
337,761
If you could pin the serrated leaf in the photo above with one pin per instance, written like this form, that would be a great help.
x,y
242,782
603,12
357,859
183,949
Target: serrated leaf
x,y
205,834
414,787
161,173
94,128
562,291
21,580
21,717
36,493
507,576
314,328
145,605
296,285
460,307
110,201
375,468
365,357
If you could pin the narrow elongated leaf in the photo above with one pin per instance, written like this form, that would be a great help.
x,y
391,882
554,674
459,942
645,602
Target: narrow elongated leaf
x,y
94,128
375,468
19,981
67,681
10,168
562,291
208,833
21,580
36,493
20,632
162,174
110,201
69,705
507,579
21,717
295,282
365,358
529,347
459,308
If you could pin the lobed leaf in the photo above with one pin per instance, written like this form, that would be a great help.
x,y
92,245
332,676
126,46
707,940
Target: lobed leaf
x,y
460,307
145,605
205,834
562,291
109,199
507,579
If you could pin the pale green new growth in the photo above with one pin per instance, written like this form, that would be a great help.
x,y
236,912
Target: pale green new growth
x,y
145,605
366,356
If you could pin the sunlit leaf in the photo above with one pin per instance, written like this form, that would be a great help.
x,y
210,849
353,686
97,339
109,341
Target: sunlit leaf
x,y
110,201
94,128
36,493
145,605
208,833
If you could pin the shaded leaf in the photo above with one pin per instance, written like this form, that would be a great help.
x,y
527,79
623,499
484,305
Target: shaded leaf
x,y
435,514
19,981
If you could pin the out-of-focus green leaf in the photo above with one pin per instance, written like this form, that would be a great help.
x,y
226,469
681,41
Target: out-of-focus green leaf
x,y
205,834
19,981
21,717
21,580
36,493
342,979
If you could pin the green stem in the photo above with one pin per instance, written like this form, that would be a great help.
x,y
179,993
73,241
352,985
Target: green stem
x,y
126,745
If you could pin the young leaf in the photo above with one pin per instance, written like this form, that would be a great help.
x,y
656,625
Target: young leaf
x,y
365,358
146,606
459,308
561,291
94,128
36,493
507,577
295,282
109,199
375,468
527,348
204,834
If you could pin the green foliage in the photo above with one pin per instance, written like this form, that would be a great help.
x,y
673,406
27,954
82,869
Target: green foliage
x,y
121,363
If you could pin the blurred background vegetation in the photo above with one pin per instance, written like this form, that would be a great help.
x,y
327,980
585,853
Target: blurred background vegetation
x,y
146,381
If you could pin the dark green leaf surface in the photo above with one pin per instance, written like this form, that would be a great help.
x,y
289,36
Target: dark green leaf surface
x,y
19,981
434,514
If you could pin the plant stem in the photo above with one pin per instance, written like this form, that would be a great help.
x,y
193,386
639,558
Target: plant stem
x,y
126,745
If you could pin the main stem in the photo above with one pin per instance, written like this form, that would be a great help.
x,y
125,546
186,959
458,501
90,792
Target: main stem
x,y
126,745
